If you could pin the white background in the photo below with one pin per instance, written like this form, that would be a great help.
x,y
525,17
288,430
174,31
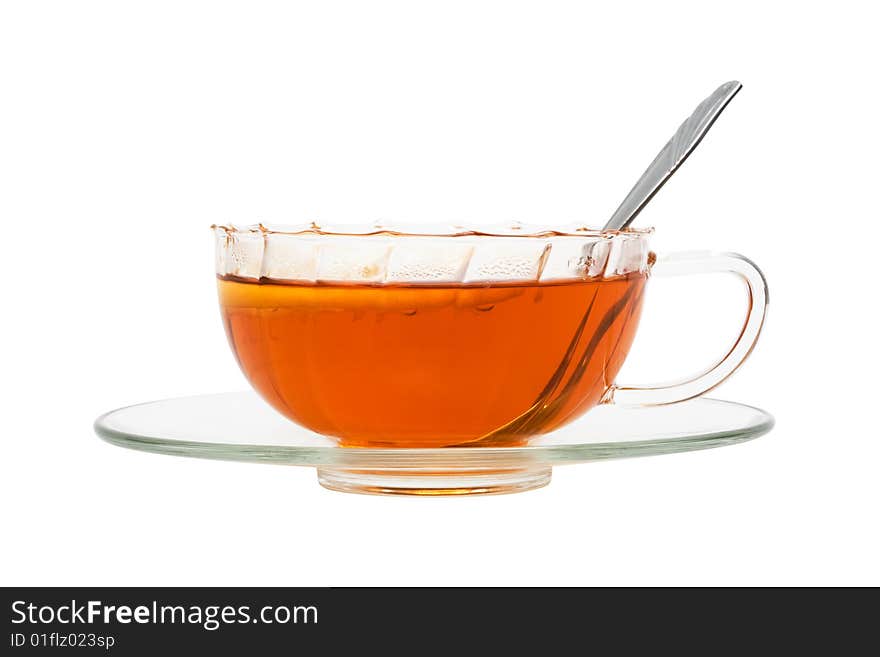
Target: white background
x,y
126,129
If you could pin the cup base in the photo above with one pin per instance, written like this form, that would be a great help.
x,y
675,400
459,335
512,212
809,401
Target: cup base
x,y
425,483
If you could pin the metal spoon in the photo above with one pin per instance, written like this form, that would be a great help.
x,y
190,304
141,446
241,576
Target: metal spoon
x,y
676,151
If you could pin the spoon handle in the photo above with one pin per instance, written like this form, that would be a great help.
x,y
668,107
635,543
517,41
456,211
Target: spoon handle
x,y
676,151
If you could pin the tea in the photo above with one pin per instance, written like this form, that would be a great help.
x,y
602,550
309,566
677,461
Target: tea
x,y
432,365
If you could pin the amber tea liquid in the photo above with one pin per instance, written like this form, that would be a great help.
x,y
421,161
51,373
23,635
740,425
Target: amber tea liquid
x,y
432,365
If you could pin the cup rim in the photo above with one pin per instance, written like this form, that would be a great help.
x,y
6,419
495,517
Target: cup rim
x,y
384,229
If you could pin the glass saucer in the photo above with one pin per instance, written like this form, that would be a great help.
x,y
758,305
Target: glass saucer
x,y
241,427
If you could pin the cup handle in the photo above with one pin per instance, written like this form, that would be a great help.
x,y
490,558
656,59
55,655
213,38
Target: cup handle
x,y
678,264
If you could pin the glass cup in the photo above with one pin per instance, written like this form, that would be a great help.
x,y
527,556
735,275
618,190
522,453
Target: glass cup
x,y
443,336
